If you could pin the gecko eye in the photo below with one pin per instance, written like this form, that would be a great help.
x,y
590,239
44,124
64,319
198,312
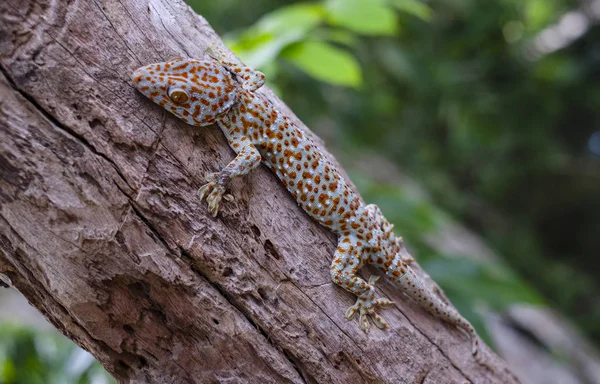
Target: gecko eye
x,y
178,95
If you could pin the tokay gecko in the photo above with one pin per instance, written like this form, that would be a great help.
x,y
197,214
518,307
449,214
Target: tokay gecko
x,y
204,92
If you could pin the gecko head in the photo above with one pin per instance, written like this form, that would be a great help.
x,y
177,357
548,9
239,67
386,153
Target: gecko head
x,y
196,91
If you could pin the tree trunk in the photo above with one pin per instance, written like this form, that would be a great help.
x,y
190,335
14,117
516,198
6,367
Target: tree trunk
x,y
102,230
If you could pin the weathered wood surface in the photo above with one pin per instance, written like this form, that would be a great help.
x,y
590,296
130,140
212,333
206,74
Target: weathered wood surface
x,y
101,228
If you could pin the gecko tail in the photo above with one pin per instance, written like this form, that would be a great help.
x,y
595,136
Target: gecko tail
x,y
415,288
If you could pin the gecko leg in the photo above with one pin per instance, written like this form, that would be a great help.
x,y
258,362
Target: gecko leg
x,y
251,78
247,159
405,278
343,272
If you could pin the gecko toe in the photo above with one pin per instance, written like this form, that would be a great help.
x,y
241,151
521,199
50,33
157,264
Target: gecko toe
x,y
364,322
379,321
204,190
214,193
384,303
351,312
366,309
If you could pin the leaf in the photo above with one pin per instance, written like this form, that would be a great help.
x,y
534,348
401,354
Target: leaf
x,y
413,7
8,372
325,62
265,49
262,43
303,16
367,17
538,13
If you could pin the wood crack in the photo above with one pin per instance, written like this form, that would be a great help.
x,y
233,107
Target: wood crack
x,y
56,123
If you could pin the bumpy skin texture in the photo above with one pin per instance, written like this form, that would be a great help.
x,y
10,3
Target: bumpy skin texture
x,y
204,92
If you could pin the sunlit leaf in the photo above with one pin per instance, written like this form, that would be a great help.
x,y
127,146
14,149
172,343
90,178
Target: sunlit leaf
x,y
267,49
325,62
302,16
539,13
367,17
8,372
263,42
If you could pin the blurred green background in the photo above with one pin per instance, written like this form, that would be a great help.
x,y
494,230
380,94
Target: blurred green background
x,y
490,111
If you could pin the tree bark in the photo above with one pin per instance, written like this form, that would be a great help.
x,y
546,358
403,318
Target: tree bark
x,y
101,228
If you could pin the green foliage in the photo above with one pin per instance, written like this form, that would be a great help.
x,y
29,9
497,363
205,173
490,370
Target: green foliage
x,y
262,43
325,62
306,35
364,17
539,13
29,356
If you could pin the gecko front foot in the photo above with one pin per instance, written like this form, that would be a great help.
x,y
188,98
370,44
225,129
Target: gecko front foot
x,y
214,193
366,305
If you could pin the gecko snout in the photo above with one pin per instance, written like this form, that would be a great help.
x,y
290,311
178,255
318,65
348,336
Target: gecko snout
x,y
144,80
138,75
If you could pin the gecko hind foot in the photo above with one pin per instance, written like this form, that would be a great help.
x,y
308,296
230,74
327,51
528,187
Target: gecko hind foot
x,y
214,193
365,305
